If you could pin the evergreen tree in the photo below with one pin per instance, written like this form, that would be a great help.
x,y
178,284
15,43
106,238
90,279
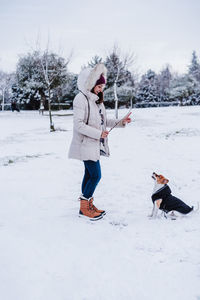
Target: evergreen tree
x,y
70,89
148,88
164,80
194,67
185,89
118,70
118,76
94,61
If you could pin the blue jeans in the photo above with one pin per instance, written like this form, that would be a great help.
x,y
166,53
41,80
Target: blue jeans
x,y
91,177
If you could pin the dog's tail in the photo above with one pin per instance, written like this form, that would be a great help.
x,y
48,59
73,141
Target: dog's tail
x,y
196,208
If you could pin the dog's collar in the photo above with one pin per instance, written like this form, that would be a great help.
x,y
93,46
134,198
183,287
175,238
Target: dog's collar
x,y
159,190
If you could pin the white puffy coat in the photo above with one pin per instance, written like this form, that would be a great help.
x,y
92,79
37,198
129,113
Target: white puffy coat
x,y
85,143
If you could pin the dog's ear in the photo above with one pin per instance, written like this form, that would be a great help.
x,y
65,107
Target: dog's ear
x,y
162,179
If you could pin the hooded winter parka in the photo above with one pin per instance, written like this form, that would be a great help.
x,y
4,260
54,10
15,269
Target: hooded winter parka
x,y
85,143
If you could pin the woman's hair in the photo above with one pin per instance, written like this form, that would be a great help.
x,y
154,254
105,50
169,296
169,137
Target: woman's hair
x,y
100,95
101,98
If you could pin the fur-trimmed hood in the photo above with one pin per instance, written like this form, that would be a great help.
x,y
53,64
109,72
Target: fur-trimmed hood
x,y
89,76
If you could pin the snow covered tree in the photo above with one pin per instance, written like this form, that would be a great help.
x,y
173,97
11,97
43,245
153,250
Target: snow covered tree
x,y
39,76
70,89
164,80
194,67
31,75
118,68
185,89
54,73
94,61
148,88
118,73
5,87
29,87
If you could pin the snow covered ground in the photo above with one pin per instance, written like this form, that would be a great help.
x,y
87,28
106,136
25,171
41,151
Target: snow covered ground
x,y
48,253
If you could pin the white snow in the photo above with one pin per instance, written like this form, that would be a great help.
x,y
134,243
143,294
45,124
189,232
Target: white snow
x,y
48,253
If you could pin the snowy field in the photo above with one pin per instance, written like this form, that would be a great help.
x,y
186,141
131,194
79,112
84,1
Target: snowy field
x,y
48,253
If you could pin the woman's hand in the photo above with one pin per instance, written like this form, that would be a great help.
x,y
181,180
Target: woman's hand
x,y
104,134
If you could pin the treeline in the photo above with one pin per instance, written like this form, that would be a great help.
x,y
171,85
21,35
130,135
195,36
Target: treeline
x,y
43,78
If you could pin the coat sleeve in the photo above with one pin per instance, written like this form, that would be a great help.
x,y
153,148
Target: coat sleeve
x,y
80,110
112,122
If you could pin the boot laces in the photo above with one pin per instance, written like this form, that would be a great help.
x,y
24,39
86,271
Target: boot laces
x,y
91,205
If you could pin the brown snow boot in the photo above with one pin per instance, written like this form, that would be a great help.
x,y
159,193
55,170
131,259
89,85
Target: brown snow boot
x,y
85,211
95,208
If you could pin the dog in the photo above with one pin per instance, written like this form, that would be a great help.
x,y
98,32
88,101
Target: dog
x,y
162,198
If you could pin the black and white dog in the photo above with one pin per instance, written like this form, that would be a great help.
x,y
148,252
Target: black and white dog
x,y
162,198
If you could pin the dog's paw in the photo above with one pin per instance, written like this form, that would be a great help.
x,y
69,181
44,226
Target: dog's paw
x,y
171,216
152,217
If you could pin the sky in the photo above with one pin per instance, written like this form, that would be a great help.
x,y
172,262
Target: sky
x,y
157,32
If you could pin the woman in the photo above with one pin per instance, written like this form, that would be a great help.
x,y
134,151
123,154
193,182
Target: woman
x,y
90,135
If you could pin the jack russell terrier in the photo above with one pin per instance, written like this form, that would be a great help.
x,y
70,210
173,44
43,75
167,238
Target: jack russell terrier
x,y
163,199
